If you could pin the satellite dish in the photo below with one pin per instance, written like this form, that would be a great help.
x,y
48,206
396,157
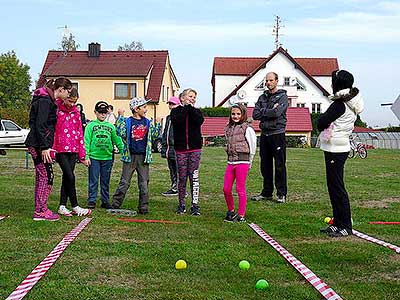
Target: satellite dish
x,y
233,100
241,94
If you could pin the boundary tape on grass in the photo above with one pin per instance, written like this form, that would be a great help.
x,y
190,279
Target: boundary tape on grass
x,y
327,292
3,217
384,223
376,241
29,282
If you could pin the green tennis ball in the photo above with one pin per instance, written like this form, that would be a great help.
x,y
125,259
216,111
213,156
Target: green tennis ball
x,y
262,284
180,265
244,265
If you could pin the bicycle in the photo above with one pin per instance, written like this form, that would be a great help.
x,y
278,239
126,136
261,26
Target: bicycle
x,y
357,149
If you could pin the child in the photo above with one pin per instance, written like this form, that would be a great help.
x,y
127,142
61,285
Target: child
x,y
69,147
136,132
100,138
42,122
186,121
342,113
168,150
241,146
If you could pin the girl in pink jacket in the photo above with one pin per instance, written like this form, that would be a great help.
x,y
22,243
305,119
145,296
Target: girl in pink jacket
x,y
69,147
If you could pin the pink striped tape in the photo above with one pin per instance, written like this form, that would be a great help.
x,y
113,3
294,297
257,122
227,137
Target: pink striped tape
x,y
316,282
376,241
28,283
3,217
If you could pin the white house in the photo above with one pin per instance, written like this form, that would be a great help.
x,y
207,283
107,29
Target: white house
x,y
306,80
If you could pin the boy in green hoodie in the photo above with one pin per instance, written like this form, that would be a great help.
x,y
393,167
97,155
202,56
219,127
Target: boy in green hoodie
x,y
100,138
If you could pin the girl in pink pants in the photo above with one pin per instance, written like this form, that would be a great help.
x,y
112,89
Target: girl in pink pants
x,y
241,146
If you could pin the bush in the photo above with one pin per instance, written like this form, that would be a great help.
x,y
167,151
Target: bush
x,y
18,115
215,111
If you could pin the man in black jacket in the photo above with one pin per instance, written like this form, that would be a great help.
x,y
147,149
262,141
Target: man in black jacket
x,y
271,109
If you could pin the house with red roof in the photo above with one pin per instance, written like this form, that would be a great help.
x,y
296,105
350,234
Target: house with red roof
x,y
116,77
306,80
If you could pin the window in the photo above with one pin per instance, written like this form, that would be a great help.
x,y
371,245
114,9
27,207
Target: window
x,y
286,81
301,105
167,93
125,90
290,102
10,126
316,108
163,93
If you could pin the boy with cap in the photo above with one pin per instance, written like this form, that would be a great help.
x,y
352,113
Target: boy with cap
x,y
168,151
100,138
136,132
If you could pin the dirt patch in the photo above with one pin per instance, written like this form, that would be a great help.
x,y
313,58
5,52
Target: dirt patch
x,y
384,203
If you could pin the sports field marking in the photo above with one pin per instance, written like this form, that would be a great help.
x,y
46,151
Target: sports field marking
x,y
376,241
29,282
327,292
151,221
384,223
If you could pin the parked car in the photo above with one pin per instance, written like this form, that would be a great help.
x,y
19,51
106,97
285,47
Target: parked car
x,y
11,134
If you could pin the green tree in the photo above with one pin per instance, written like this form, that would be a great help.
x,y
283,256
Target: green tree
x,y
134,46
68,43
215,111
15,82
359,122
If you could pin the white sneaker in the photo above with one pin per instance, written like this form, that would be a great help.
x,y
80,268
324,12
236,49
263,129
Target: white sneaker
x,y
281,199
79,211
62,210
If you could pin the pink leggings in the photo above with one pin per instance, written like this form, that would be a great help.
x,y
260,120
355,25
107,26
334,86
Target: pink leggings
x,y
238,172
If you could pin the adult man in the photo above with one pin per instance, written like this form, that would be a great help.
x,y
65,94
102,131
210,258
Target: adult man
x,y
271,109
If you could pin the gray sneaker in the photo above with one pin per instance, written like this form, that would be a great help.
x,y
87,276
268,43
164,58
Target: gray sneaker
x,y
260,198
281,199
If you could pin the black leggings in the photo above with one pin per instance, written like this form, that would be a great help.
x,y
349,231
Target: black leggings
x,y
67,163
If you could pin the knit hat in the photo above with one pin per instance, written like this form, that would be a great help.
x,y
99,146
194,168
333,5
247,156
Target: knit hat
x,y
136,102
174,100
341,79
101,107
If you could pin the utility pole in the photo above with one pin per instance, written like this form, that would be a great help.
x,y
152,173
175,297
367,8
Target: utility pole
x,y
277,26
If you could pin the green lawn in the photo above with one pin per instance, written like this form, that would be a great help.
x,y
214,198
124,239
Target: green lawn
x,y
111,259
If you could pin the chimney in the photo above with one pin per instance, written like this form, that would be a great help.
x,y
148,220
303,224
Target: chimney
x,y
94,50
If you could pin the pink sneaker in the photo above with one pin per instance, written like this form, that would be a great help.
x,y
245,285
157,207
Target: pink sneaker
x,y
48,215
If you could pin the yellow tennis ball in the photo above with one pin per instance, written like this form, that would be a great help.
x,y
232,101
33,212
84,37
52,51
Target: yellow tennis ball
x,y
244,265
327,220
180,265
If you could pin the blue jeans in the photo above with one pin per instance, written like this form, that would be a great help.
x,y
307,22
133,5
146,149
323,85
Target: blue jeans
x,y
102,168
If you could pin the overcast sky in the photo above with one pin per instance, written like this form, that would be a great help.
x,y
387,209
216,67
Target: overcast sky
x,y
364,35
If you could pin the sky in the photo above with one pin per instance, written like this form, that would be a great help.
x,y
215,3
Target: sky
x,y
363,35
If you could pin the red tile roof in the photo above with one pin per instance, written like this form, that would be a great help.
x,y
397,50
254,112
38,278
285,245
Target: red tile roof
x,y
110,64
245,65
363,129
298,120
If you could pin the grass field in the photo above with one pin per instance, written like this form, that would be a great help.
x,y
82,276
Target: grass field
x,y
111,259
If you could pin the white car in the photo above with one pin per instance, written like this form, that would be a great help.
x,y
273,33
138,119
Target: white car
x,y
11,134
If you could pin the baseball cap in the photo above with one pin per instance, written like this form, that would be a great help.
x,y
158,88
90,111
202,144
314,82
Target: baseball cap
x,y
136,102
174,100
101,107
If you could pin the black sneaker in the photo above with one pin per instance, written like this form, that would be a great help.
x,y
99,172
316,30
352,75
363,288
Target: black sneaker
x,y
180,210
239,219
341,232
230,216
170,192
106,205
195,210
329,229
91,205
261,198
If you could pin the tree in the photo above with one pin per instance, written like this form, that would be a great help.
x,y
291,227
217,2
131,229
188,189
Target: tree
x,y
68,43
134,46
15,82
359,122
